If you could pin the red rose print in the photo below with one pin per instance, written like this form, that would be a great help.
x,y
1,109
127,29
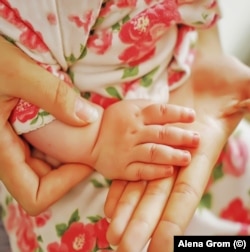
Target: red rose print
x,y
236,211
244,230
11,14
82,22
100,42
29,38
126,3
109,5
12,219
142,31
19,222
174,76
102,101
24,111
183,30
51,17
26,238
235,157
33,40
129,86
101,228
79,237
56,247
42,218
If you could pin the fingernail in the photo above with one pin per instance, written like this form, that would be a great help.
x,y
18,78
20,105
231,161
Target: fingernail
x,y
191,113
186,156
85,112
169,170
196,138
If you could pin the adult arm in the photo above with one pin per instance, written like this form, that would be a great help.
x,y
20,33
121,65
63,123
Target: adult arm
x,y
20,77
217,90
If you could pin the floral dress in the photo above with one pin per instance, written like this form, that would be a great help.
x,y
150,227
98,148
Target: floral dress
x,y
108,51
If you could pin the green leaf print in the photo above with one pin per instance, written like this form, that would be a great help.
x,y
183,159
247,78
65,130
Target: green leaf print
x,y
147,79
217,172
130,72
116,27
83,51
39,238
8,200
198,23
34,121
86,95
113,92
39,249
74,217
71,75
61,228
99,21
43,113
125,19
94,219
97,183
204,16
206,201
108,181
9,39
2,212
71,58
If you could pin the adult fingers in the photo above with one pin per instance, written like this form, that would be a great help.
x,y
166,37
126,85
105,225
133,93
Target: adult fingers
x,y
167,113
115,191
186,193
23,78
125,206
146,215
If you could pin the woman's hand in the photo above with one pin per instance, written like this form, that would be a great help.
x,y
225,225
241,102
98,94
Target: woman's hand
x,y
20,77
161,209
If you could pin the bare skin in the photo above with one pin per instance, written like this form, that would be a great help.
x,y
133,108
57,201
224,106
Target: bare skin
x,y
15,155
219,92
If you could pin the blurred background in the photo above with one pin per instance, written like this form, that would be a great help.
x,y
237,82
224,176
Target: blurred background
x,y
235,28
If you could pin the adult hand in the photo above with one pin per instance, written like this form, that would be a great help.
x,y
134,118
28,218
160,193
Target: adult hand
x,y
161,209
20,77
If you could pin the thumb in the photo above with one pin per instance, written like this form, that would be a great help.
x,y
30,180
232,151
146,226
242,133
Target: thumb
x,y
21,77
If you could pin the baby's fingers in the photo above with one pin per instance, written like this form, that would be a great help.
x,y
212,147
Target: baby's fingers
x,y
154,161
169,135
167,113
150,153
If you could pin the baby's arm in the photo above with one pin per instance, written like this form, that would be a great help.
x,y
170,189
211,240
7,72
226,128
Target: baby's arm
x,y
130,141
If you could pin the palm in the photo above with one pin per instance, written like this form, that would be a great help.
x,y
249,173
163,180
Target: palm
x,y
217,83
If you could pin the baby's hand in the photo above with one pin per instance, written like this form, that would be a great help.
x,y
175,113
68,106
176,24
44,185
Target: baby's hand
x,y
138,141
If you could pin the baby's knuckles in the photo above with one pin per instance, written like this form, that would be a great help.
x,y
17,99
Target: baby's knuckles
x,y
118,131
